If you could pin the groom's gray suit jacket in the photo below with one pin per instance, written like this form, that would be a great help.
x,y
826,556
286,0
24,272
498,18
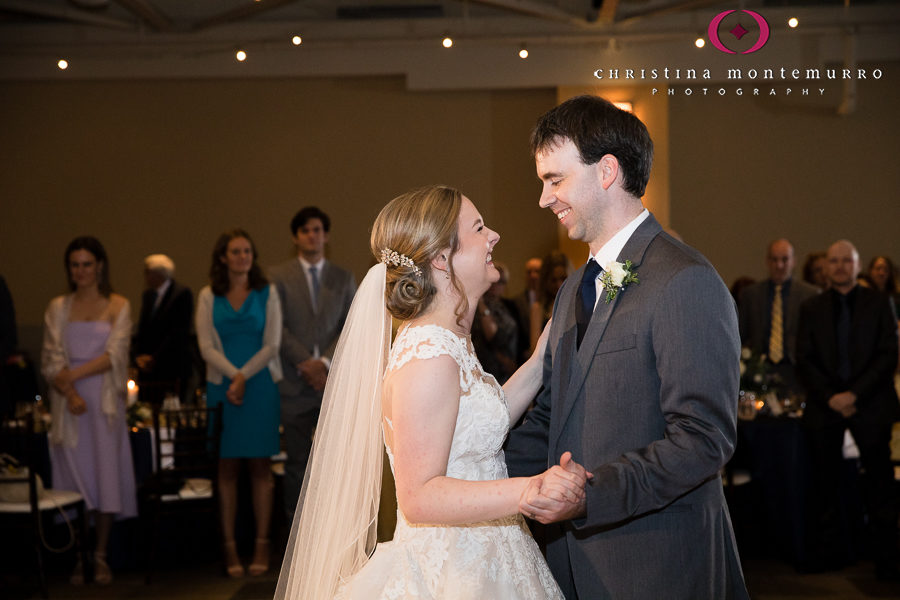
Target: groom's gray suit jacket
x,y
647,403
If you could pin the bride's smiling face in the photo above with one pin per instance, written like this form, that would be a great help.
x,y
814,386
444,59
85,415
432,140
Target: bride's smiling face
x,y
472,263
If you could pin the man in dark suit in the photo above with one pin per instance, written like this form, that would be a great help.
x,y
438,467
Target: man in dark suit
x,y
315,299
847,354
161,346
768,312
640,379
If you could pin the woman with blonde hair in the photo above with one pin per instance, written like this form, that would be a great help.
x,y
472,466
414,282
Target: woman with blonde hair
x,y
440,417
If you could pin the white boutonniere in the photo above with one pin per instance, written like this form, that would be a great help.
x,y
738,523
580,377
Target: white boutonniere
x,y
616,277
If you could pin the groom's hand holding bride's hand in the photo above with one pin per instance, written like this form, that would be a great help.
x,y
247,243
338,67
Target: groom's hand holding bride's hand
x,y
557,494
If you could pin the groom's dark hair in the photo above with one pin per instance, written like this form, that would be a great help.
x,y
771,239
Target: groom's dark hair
x,y
597,127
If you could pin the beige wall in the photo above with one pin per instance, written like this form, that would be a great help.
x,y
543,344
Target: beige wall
x,y
165,166
152,166
746,170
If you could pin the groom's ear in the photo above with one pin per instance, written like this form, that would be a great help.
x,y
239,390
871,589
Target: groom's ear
x,y
607,170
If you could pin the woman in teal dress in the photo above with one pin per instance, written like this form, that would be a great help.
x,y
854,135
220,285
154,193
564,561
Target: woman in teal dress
x,y
239,333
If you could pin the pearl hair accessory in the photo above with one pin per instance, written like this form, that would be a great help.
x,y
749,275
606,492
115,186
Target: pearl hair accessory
x,y
391,257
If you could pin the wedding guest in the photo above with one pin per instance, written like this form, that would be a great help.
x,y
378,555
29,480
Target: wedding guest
x,y
814,270
239,331
883,277
162,342
523,304
555,267
85,361
847,354
315,297
8,343
738,286
495,330
768,312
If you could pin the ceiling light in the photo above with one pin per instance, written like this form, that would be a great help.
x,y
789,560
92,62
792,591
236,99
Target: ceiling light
x,y
296,40
523,52
626,106
63,64
699,42
447,41
240,55
793,22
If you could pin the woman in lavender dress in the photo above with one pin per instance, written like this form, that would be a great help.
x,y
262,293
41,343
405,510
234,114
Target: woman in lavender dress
x,y
85,359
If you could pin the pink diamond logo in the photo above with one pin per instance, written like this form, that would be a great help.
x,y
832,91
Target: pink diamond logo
x,y
738,31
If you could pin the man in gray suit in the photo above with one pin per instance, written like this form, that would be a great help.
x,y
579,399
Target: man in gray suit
x,y
640,380
315,298
768,312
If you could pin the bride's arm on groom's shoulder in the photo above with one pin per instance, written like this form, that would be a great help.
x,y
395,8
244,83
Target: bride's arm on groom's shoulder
x,y
521,388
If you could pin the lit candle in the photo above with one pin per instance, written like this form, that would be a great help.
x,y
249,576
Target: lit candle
x,y
132,392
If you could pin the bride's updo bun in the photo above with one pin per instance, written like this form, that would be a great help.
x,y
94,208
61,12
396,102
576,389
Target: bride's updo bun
x,y
409,232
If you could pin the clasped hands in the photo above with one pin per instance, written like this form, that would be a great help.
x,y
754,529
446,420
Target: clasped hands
x,y
557,494
843,403
63,382
314,372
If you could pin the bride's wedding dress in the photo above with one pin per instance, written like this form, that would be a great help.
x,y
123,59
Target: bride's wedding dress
x,y
495,560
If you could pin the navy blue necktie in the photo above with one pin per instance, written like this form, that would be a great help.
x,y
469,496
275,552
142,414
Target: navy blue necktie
x,y
587,298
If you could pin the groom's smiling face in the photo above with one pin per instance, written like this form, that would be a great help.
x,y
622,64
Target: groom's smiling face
x,y
569,189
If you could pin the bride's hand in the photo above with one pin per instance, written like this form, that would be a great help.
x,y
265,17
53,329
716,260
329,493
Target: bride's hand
x,y
565,482
557,494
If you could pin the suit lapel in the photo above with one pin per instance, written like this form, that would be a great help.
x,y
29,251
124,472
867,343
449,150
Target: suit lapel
x,y
578,364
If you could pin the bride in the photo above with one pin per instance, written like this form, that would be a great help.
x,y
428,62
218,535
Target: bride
x,y
442,420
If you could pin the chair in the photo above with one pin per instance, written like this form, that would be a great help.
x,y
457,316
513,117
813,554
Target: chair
x,y
18,439
186,449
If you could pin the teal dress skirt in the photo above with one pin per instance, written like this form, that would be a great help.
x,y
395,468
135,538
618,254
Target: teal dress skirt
x,y
251,429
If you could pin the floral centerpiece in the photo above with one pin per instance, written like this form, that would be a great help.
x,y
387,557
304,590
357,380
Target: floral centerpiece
x,y
139,414
760,385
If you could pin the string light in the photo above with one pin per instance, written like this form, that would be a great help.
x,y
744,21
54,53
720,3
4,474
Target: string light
x,y
240,55
63,64
296,40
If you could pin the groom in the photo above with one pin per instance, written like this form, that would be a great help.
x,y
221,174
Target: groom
x,y
640,380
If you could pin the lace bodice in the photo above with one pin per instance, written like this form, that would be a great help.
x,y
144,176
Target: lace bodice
x,y
483,418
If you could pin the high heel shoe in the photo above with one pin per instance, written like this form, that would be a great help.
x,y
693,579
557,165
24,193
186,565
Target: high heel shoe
x,y
102,572
233,565
260,562
77,576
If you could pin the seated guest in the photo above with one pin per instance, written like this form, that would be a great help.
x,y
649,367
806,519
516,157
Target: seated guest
x,y
555,267
239,333
814,270
85,361
161,346
768,311
495,330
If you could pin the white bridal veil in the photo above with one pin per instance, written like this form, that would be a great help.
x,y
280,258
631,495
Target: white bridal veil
x,y
334,526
